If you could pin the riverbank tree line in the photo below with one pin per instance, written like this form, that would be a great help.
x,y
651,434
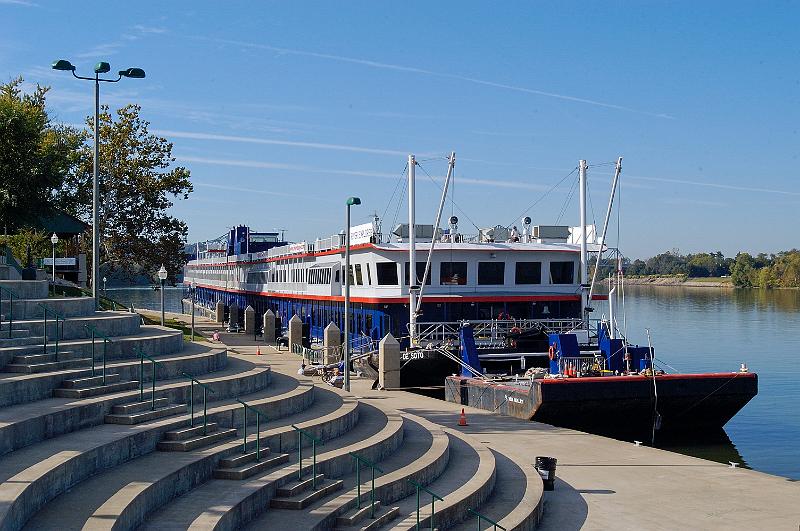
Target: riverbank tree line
x,y
46,166
779,270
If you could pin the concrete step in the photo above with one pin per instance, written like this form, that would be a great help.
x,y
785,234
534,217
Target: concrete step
x,y
145,416
354,516
138,407
196,442
16,333
19,338
27,289
252,468
187,433
35,368
306,497
111,324
296,487
98,390
384,518
49,357
91,381
65,306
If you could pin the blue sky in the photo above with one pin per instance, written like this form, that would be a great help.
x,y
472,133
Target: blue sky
x,y
281,110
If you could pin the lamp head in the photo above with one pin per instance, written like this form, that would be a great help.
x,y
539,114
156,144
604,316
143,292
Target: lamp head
x,y
104,279
135,73
63,64
102,67
353,201
54,238
162,273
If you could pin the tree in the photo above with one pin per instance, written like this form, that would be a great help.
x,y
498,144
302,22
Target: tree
x,y
137,190
742,272
35,155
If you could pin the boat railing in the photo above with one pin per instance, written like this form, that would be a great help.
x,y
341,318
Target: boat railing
x,y
492,330
581,365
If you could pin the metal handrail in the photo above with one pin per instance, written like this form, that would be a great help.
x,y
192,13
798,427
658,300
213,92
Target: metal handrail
x,y
259,414
374,467
314,441
142,357
484,517
106,340
434,497
11,296
206,388
58,316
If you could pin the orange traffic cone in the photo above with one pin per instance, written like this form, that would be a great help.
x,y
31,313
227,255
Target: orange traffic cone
x,y
258,352
462,419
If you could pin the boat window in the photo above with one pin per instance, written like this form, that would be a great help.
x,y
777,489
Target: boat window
x,y
528,273
359,278
337,276
491,273
420,273
453,273
369,276
387,273
350,277
562,272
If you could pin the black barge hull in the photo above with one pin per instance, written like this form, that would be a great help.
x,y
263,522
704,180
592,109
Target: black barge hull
x,y
600,404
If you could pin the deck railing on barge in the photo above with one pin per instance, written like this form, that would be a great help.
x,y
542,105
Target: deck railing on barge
x,y
493,331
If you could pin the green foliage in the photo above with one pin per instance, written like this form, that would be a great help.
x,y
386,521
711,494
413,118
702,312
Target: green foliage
x,y
780,270
137,189
35,155
38,241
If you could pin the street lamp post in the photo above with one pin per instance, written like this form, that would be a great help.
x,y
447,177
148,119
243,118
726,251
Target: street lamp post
x,y
54,241
191,291
350,202
100,68
104,285
162,276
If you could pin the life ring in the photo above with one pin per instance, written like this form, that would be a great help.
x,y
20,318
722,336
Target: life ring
x,y
515,330
552,352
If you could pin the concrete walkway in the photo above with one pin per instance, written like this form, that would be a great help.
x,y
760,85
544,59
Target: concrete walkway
x,y
602,483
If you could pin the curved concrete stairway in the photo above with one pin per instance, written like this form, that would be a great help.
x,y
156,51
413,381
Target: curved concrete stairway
x,y
77,453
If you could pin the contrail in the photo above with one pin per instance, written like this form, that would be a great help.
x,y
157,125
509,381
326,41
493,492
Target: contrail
x,y
477,81
267,141
715,185
352,173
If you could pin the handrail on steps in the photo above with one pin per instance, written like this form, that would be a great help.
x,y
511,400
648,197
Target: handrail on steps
x,y
11,296
434,497
58,316
106,340
206,389
259,414
314,440
489,520
142,357
374,467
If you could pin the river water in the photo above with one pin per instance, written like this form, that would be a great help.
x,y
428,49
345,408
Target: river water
x,y
698,330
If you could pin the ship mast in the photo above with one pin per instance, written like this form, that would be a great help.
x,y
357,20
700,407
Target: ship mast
x,y
584,248
412,254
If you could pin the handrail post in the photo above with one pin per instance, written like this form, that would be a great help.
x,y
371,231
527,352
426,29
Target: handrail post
x,y
153,397
314,465
56,333
205,411
258,437
433,510
105,344
244,428
300,455
417,486
191,403
92,331
372,496
141,375
358,482
44,333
